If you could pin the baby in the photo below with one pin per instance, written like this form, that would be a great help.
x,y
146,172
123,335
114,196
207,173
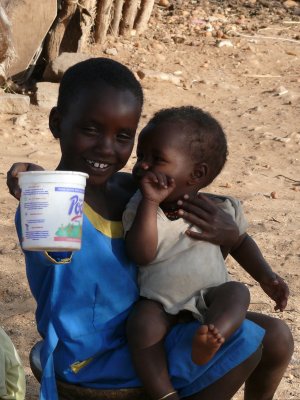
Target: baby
x,y
179,152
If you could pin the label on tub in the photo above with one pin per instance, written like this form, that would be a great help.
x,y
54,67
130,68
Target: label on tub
x,y
52,217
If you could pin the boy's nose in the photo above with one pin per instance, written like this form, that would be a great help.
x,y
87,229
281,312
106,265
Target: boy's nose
x,y
105,145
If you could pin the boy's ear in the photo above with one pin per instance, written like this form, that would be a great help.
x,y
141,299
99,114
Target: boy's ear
x,y
199,175
54,122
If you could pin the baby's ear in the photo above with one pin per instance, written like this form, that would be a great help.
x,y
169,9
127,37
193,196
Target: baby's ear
x,y
199,174
54,122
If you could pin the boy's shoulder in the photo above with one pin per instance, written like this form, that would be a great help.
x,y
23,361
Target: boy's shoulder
x,y
123,186
125,182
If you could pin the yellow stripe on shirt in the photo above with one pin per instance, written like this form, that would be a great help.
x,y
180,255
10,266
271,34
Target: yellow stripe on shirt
x,y
112,229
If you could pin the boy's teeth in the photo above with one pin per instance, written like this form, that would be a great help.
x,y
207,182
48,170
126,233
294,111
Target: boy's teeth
x,y
97,164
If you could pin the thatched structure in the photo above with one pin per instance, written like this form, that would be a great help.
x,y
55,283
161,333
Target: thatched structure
x,y
58,26
7,52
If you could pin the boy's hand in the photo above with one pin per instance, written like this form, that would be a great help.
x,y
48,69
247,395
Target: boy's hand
x,y
156,186
277,290
216,225
12,177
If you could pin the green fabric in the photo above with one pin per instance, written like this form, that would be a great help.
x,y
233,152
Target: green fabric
x,y
12,377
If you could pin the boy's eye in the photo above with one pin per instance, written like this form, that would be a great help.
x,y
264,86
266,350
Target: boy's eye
x,y
123,136
90,130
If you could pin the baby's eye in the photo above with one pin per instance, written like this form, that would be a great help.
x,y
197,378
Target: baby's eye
x,y
159,159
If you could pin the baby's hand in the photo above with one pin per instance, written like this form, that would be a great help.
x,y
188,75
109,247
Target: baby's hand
x,y
277,290
156,186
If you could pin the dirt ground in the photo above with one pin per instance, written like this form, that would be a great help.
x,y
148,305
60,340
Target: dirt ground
x,y
252,88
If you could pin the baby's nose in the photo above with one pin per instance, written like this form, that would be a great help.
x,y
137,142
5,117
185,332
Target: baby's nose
x,y
145,165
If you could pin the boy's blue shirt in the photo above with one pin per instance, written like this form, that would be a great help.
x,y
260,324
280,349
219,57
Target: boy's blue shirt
x,y
79,314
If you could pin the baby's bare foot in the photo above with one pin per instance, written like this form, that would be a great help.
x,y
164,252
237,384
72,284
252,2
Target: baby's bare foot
x,y
206,343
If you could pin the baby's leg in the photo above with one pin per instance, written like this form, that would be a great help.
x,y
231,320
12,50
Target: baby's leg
x,y
147,327
227,307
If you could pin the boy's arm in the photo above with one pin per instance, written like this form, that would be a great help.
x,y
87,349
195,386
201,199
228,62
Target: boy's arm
x,y
248,255
141,239
12,176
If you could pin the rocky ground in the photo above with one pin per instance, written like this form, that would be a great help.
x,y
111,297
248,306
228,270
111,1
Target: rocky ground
x,y
239,60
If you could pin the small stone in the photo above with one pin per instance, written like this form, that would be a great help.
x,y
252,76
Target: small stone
x,y
14,103
164,3
281,91
160,58
274,195
178,39
224,43
158,46
159,76
111,51
56,68
20,120
290,4
46,94
282,139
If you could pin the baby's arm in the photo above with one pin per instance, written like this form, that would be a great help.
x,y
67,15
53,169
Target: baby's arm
x,y
248,255
141,239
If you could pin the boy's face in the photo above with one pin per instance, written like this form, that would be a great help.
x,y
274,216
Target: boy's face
x,y
97,132
163,149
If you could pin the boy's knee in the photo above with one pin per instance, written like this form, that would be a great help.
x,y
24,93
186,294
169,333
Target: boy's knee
x,y
279,342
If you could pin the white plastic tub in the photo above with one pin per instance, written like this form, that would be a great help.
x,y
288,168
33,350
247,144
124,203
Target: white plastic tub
x,y
52,209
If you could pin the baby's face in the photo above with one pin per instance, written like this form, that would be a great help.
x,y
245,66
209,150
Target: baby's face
x,y
162,148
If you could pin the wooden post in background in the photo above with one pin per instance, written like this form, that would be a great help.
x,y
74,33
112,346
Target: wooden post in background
x,y
128,17
144,15
118,8
103,19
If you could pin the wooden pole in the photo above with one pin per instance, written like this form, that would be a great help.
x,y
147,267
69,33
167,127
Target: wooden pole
x,y
103,18
118,7
144,15
68,8
87,10
129,14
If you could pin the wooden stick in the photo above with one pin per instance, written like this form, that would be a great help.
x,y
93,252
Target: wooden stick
x,y
118,6
102,20
144,15
263,76
266,37
59,27
129,14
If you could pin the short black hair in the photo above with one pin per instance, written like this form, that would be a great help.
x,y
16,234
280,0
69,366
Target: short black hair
x,y
206,140
96,71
